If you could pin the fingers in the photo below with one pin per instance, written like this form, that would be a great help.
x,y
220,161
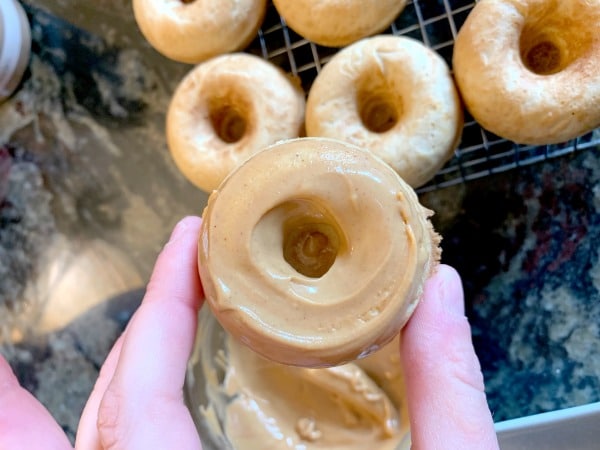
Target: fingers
x,y
24,422
138,399
446,399
159,338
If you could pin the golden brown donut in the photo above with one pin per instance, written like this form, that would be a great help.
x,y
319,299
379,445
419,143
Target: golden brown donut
x,y
225,110
192,31
314,252
336,23
393,96
529,70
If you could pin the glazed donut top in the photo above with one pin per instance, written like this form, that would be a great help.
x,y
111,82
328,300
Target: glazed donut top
x,y
336,23
314,252
529,70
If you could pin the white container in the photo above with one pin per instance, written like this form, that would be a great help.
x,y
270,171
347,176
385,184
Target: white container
x,y
575,428
15,46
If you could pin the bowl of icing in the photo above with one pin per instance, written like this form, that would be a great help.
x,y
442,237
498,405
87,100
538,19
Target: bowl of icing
x,y
241,400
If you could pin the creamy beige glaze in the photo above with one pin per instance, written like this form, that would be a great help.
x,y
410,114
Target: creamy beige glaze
x,y
259,404
339,200
353,406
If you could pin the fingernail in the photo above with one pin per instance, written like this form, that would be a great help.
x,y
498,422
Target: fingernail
x,y
450,292
178,231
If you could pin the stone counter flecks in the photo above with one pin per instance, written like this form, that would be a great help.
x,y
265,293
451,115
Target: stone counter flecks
x,y
527,246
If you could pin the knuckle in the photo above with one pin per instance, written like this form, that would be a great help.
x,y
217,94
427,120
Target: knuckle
x,y
111,427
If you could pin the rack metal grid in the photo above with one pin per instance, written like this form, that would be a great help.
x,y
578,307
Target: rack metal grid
x,y
436,23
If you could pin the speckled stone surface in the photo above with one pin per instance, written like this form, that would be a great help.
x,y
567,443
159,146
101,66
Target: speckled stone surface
x,y
61,367
87,182
89,164
526,245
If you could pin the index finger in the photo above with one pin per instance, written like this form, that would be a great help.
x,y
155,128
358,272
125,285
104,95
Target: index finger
x,y
160,336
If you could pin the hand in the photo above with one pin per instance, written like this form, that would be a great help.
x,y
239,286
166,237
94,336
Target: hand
x,y
446,399
137,402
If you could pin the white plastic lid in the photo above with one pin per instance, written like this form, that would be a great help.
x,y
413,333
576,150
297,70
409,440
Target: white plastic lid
x,y
15,46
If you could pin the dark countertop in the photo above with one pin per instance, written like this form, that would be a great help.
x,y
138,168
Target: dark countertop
x,y
92,196
526,245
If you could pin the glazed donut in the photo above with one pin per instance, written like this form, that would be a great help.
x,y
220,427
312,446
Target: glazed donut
x,y
192,31
529,70
393,96
336,23
225,110
314,252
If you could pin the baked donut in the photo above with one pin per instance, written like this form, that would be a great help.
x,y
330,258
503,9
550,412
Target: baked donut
x,y
394,97
225,110
192,31
529,70
314,252
336,23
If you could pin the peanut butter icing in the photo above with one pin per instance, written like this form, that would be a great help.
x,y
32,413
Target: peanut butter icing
x,y
259,404
314,253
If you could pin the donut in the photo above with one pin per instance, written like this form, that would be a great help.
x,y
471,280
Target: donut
x,y
394,97
529,70
192,31
336,23
314,252
226,109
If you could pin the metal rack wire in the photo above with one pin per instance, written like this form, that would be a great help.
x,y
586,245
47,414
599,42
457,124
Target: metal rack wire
x,y
434,22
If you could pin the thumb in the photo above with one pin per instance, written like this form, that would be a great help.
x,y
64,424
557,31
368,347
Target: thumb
x,y
445,390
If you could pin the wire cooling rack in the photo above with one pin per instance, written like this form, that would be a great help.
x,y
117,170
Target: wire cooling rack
x,y
434,22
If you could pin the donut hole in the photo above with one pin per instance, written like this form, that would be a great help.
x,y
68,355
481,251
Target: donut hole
x,y
543,58
298,236
377,113
229,122
552,38
310,246
379,107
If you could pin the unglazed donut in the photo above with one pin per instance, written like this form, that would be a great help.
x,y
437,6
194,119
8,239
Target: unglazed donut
x,y
225,110
192,31
314,252
529,70
336,23
394,97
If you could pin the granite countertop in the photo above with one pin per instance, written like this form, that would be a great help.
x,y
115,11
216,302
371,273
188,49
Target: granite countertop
x,y
92,195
